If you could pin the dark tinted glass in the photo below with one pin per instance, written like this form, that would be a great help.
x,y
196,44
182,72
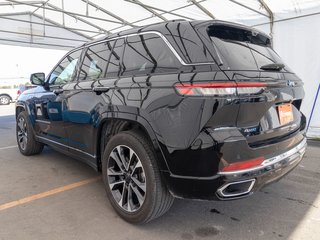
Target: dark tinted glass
x,y
236,55
238,34
243,49
265,55
148,53
95,61
65,70
187,42
114,61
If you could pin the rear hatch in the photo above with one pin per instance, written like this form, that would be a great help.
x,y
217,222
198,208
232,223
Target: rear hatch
x,y
270,111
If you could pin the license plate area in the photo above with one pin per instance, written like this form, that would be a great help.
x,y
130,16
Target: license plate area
x,y
285,113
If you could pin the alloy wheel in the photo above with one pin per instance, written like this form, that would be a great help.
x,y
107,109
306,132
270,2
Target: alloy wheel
x,y
4,100
22,133
126,178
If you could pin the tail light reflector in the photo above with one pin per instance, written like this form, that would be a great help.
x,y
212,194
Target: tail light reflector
x,y
243,165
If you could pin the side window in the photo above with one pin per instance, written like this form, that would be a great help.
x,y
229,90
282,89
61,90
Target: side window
x,y
114,61
148,53
65,71
95,61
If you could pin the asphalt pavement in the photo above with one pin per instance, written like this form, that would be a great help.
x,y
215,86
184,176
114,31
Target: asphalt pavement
x,y
49,196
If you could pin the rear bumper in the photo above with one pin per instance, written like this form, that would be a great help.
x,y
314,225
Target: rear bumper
x,y
237,184
271,170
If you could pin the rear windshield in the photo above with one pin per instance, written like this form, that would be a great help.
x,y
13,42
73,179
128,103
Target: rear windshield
x,y
243,49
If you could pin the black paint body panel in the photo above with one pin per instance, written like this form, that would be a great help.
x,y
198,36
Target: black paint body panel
x,y
191,135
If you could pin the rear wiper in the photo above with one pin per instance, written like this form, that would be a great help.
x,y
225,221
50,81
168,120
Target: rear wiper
x,y
273,66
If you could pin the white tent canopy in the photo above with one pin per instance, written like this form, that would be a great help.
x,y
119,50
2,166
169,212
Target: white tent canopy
x,y
63,24
90,19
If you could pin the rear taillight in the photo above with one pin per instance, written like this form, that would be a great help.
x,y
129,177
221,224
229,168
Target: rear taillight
x,y
219,89
18,92
244,165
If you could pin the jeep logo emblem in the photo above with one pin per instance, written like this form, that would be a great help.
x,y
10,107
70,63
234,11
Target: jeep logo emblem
x,y
291,83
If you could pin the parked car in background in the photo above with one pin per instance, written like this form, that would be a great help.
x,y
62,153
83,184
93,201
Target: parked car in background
x,y
201,110
24,87
8,95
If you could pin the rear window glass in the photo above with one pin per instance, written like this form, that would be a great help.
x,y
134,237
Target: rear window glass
x,y
187,42
148,53
238,34
243,49
114,61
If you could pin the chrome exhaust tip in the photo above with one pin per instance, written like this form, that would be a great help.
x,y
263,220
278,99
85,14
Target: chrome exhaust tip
x,y
236,189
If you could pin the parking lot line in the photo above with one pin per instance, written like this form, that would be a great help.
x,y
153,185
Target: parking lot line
x,y
3,148
47,193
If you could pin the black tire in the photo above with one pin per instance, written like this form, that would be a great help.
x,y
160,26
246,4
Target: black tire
x,y
157,199
30,146
5,100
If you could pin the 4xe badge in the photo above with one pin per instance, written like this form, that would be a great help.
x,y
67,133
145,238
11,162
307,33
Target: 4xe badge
x,y
250,131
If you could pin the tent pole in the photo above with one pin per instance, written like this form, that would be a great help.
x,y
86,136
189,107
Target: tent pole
x,y
108,13
271,17
62,5
203,9
154,13
247,7
44,21
313,107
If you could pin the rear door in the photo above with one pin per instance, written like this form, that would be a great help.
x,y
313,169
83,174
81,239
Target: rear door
x,y
271,99
84,106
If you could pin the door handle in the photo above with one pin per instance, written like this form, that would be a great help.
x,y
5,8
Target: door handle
x,y
99,90
58,91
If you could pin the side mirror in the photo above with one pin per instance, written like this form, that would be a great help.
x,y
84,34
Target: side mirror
x,y
37,79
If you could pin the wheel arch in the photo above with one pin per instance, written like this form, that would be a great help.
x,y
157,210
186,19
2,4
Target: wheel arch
x,y
5,94
110,126
19,109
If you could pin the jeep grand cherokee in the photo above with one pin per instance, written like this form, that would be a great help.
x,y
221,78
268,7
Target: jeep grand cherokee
x,y
200,109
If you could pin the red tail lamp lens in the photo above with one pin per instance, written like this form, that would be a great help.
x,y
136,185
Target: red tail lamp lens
x,y
218,89
243,165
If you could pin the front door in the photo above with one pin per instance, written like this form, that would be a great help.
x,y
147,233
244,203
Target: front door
x,y
49,105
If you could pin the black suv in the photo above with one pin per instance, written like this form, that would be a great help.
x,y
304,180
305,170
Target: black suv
x,y
200,109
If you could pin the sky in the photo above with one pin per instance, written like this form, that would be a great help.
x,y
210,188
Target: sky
x,y
17,63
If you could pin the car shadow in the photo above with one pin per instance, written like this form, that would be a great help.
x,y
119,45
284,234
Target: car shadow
x,y
272,213
275,212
